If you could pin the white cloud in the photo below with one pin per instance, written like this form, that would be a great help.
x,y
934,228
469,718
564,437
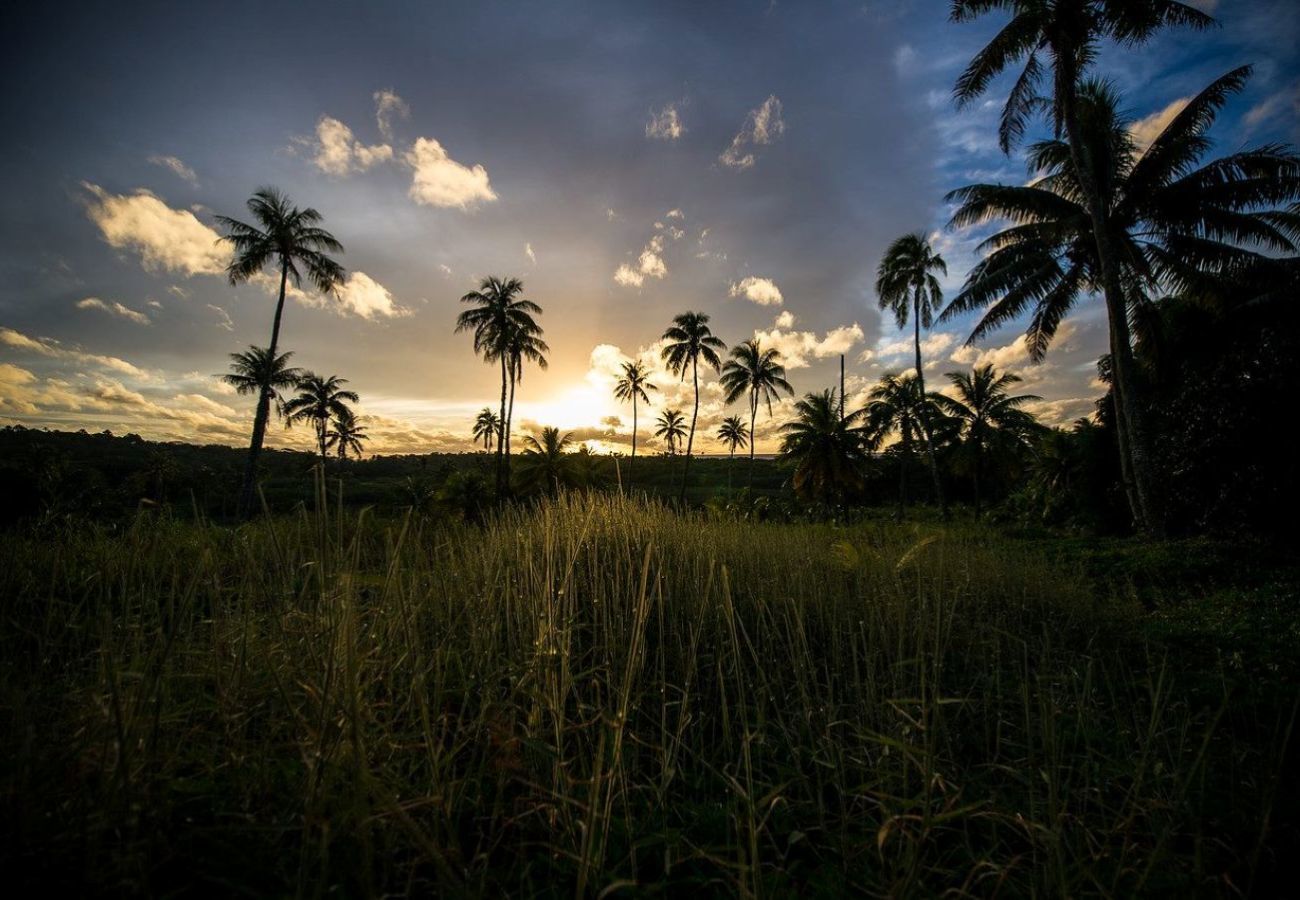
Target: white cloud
x,y
528,252
666,124
1012,355
762,291
54,350
361,295
675,214
445,270
389,106
796,347
181,170
441,181
165,238
338,152
1145,130
763,126
628,276
115,309
650,263
223,317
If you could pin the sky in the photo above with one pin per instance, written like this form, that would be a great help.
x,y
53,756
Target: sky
x,y
627,160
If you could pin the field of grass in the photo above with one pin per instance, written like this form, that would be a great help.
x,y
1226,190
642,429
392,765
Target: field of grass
x,y
598,696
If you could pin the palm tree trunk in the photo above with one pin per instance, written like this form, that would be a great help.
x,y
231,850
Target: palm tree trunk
x,y
753,414
249,487
979,460
501,438
924,410
510,416
320,442
904,458
633,463
1130,412
731,464
690,440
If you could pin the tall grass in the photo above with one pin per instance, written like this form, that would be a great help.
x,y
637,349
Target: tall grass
x,y
597,696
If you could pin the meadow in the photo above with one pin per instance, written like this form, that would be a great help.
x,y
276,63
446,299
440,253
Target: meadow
x,y
598,695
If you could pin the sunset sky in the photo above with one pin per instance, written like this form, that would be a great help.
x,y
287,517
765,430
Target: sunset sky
x,y
627,161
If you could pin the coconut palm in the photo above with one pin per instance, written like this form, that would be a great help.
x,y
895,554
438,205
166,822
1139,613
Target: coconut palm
x,y
292,240
689,340
1175,225
255,369
907,286
896,406
346,434
1065,36
757,372
826,448
487,427
546,464
320,399
499,313
987,415
672,428
732,433
633,385
523,344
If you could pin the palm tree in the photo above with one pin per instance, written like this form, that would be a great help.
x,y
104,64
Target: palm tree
x,y
498,313
758,373
254,369
632,385
897,406
987,415
523,343
292,239
689,340
1065,36
826,448
487,426
732,433
319,401
907,285
347,434
546,464
1174,224
672,428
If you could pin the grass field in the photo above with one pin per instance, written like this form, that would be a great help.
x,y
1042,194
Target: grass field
x,y
598,696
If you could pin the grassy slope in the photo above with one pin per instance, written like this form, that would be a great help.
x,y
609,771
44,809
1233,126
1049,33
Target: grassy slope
x,y
601,692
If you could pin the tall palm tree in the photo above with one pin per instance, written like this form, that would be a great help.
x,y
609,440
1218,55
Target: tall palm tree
x,y
825,446
546,464
987,415
758,373
896,406
1066,36
498,312
523,344
255,369
689,340
487,426
672,428
292,240
732,433
633,385
319,400
1176,224
346,434
907,286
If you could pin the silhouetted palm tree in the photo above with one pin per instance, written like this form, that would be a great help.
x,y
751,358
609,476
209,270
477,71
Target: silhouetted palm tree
x,y
487,427
546,464
632,385
907,286
1173,224
827,449
346,434
254,369
1066,37
291,239
690,340
897,406
499,312
523,344
732,433
672,428
758,373
319,400
987,415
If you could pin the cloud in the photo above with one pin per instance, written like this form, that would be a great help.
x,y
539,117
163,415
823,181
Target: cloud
x,y
528,252
762,291
169,239
115,309
796,347
338,152
181,170
1145,130
441,181
650,263
389,106
665,125
763,126
54,350
361,295
1283,105
223,317
1012,355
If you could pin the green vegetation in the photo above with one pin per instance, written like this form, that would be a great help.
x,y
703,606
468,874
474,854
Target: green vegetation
x,y
598,694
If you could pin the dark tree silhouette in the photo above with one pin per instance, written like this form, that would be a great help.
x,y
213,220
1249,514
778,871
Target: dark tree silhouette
x,y
826,448
319,401
346,435
487,427
690,340
633,385
732,433
672,428
757,372
897,406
